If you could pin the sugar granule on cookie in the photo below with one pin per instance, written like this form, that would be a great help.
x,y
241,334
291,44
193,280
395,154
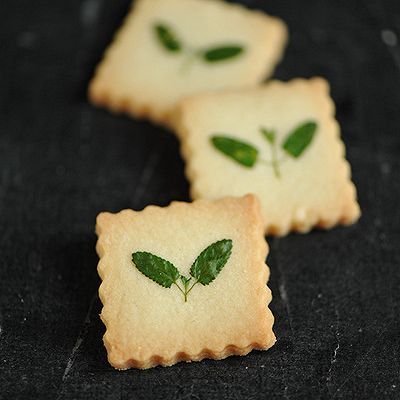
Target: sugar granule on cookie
x,y
184,282
169,49
279,141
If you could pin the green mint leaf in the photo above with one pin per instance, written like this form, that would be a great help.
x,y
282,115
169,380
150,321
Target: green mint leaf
x,y
300,138
156,268
167,38
269,135
242,152
221,53
211,261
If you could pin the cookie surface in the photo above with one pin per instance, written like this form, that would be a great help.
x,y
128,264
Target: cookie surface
x,y
280,142
148,324
168,49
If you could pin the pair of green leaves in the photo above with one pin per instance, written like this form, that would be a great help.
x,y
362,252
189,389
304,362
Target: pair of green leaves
x,y
247,154
204,270
169,40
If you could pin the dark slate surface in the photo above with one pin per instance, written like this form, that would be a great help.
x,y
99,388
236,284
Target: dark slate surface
x,y
336,294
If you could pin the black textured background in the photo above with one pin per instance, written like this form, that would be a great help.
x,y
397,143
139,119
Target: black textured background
x,y
336,294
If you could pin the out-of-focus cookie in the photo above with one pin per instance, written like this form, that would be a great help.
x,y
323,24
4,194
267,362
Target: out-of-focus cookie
x,y
280,142
169,49
184,282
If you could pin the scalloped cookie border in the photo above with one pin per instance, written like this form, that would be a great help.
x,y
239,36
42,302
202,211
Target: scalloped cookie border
x,y
100,92
350,211
122,360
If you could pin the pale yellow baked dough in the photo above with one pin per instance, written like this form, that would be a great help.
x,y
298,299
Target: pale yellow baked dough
x,y
139,77
314,190
149,325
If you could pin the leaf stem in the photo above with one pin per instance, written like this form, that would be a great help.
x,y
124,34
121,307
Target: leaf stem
x,y
270,163
275,161
192,287
180,288
185,291
188,61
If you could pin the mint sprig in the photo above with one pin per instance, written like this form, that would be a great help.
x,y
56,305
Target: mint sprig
x,y
169,40
210,261
204,270
242,152
221,53
299,139
156,268
246,154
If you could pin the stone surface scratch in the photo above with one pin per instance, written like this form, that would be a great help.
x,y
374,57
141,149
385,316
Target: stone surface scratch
x,y
354,369
89,12
337,346
147,173
390,39
81,337
285,298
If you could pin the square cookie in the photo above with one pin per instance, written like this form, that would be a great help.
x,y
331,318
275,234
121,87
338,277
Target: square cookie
x,y
184,282
280,142
169,49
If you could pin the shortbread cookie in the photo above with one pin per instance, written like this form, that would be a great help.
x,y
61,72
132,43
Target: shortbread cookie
x,y
184,282
169,49
280,142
